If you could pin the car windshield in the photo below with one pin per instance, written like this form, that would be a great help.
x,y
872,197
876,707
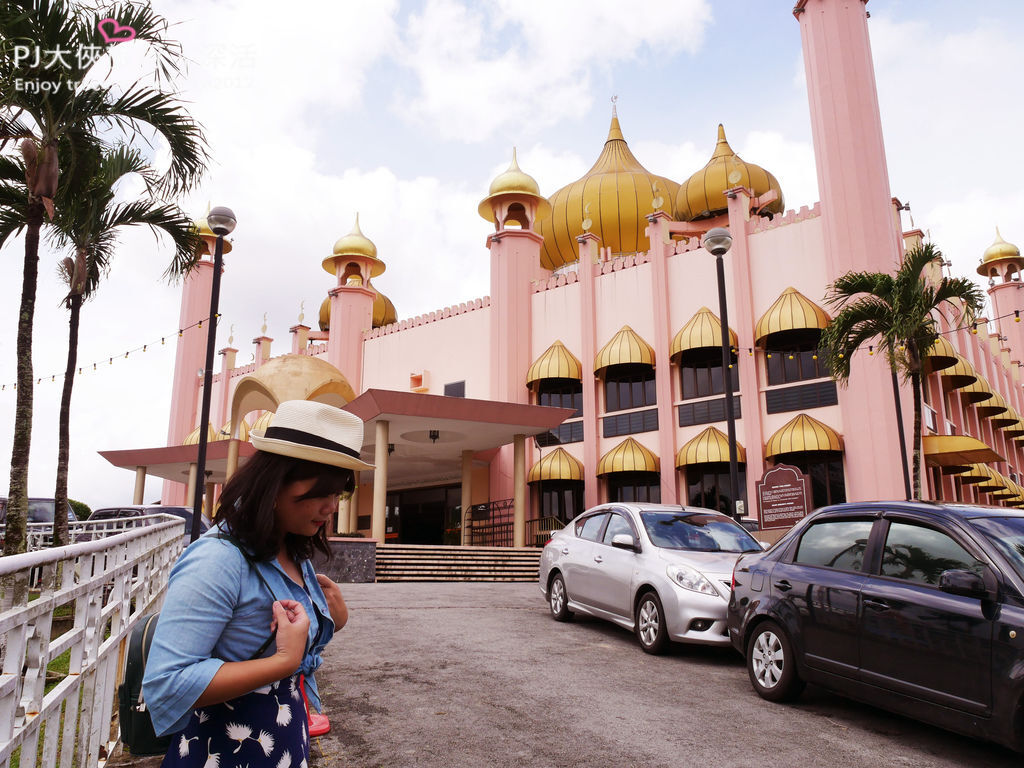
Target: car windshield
x,y
698,531
1007,534
40,511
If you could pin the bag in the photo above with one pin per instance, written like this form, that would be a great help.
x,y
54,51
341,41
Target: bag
x,y
137,732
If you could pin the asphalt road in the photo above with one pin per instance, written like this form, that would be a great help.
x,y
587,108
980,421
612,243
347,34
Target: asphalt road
x,y
472,675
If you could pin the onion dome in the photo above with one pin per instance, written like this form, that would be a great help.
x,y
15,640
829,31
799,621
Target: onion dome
x,y
202,228
616,196
703,194
355,243
513,181
998,253
384,312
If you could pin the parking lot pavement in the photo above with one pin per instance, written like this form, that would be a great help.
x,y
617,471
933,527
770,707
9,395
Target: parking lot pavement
x,y
471,675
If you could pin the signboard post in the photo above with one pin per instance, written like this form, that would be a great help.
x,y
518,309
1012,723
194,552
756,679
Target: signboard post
x,y
783,497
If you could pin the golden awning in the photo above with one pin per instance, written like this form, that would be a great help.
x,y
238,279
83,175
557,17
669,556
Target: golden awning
x,y
193,437
992,481
1007,491
260,425
960,375
1015,428
1005,420
709,447
243,431
557,362
702,331
803,433
976,473
956,450
557,465
628,456
939,356
993,406
626,346
791,311
976,392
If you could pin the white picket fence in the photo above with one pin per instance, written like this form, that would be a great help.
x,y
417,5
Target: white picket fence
x,y
114,574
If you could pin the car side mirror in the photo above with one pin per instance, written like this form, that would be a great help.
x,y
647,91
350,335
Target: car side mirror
x,y
964,583
625,541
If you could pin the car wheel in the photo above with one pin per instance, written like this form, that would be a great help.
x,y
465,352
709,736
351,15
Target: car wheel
x,y
650,624
771,664
558,599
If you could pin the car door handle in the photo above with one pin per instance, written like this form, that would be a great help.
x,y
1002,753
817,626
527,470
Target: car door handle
x,y
565,550
876,605
783,585
598,559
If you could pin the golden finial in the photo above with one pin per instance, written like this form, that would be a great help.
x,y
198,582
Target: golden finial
x,y
231,335
615,99
586,218
302,307
263,330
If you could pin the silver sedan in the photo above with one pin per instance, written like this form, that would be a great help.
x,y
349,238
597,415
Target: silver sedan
x,y
661,571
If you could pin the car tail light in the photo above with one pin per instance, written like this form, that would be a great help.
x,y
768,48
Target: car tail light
x,y
733,585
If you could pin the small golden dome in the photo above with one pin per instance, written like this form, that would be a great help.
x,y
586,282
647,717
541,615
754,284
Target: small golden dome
x,y
997,253
616,195
513,181
355,243
384,312
202,227
703,194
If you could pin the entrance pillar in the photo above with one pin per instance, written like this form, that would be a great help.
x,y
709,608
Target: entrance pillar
x,y
519,492
210,490
232,465
193,474
353,511
467,496
380,481
140,485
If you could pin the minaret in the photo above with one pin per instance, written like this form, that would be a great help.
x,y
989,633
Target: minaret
x,y
513,204
190,357
354,263
858,222
1002,265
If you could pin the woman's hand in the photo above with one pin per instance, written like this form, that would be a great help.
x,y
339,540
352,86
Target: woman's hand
x,y
335,602
292,625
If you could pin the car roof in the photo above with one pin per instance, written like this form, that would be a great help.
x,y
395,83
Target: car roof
x,y
144,506
643,506
940,509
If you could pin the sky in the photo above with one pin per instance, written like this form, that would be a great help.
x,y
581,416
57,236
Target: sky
x,y
405,111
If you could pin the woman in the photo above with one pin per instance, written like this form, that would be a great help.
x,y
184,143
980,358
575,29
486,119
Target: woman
x,y
214,677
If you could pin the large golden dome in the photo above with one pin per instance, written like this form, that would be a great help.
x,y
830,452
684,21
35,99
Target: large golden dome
x,y
384,312
997,253
616,195
355,243
703,194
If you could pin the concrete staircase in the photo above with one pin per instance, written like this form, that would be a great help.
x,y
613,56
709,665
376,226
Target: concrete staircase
x,y
414,562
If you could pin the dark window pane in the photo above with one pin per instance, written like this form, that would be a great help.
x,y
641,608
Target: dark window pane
x,y
689,377
835,544
611,395
717,385
920,554
774,362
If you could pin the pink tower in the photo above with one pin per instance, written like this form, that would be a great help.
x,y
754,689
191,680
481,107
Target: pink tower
x,y
857,216
513,204
354,263
1002,264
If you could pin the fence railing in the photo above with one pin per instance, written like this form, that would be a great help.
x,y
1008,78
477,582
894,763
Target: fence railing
x,y
65,617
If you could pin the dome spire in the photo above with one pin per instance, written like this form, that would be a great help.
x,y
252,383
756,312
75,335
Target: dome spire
x,y
614,131
722,148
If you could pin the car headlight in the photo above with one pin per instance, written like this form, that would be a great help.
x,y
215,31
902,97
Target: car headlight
x,y
691,579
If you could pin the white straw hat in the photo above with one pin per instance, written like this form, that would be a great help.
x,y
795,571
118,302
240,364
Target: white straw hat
x,y
316,432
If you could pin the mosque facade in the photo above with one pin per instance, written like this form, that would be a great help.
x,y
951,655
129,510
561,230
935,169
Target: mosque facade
x,y
593,371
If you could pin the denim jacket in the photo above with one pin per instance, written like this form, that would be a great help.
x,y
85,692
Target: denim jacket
x,y
218,610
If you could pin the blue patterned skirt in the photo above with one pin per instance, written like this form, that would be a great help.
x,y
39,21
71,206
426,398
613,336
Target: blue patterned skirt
x,y
267,727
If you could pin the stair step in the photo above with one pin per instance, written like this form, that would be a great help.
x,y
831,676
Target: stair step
x,y
426,562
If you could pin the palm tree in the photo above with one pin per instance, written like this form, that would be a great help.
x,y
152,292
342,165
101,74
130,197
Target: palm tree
x,y
88,224
898,313
41,119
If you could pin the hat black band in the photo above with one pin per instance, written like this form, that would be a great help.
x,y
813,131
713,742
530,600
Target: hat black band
x,y
305,438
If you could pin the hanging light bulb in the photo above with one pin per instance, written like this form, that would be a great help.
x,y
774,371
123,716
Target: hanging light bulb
x,y
790,355
1016,315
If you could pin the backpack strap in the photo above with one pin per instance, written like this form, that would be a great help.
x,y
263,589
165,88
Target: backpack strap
x,y
252,564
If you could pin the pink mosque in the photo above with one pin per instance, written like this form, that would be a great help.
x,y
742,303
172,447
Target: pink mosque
x,y
593,370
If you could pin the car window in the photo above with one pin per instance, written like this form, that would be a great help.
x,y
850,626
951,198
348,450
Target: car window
x,y
835,544
916,553
40,511
700,531
616,524
590,527
1007,534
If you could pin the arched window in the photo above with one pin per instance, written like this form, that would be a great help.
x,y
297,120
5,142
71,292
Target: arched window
x,y
825,468
561,393
792,356
629,385
700,373
634,486
561,499
707,485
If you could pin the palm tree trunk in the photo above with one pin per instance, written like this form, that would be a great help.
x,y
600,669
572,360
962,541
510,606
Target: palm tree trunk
x,y
915,384
60,495
17,502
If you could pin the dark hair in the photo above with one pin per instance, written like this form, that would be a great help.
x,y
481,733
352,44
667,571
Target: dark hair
x,y
248,500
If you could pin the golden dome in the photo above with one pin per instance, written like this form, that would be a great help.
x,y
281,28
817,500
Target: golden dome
x,y
202,227
616,195
703,194
999,251
355,243
384,312
513,181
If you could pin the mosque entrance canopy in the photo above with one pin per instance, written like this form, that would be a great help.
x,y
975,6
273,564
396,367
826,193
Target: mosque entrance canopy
x,y
172,463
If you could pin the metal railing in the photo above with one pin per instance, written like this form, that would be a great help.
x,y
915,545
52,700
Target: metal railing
x,y
499,533
99,588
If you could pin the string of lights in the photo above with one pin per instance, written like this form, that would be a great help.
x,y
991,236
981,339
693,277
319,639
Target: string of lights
x,y
109,360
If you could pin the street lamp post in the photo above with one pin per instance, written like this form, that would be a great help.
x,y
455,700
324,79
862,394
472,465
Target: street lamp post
x,y
221,221
717,242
